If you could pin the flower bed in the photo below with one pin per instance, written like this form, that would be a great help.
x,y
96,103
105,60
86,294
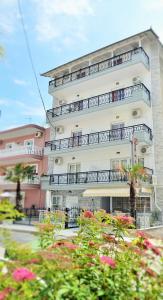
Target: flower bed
x,y
97,264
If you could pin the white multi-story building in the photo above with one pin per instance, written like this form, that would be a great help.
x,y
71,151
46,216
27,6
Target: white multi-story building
x,y
107,111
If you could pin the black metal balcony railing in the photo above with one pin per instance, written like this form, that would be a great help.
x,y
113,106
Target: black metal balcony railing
x,y
98,67
98,137
102,176
111,97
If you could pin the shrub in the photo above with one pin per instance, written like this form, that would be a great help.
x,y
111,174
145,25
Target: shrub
x,y
97,264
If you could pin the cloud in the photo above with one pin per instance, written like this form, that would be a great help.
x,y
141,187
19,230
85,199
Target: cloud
x,y
29,110
20,82
4,102
8,16
62,19
151,5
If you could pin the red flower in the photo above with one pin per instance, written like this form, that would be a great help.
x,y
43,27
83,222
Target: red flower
x,y
66,244
125,220
108,261
151,272
23,274
34,261
88,214
109,238
156,251
91,243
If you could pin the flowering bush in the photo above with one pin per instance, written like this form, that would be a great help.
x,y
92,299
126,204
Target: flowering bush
x,y
52,221
100,263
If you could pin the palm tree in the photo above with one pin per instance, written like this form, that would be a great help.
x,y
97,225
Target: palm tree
x,y
17,174
134,174
1,51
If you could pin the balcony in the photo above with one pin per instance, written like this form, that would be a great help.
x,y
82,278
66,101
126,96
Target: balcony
x,y
93,177
126,95
20,154
124,59
31,181
100,139
21,150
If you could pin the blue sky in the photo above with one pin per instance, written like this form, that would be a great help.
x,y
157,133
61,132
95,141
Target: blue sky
x,y
59,31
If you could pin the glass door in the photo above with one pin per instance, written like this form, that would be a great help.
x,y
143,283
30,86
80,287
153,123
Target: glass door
x,y
117,132
76,138
73,169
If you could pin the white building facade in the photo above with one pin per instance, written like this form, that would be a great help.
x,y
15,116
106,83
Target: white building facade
x,y
107,112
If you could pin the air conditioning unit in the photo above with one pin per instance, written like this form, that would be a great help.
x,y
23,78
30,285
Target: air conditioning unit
x,y
154,179
38,134
62,102
58,160
136,80
59,129
136,113
145,150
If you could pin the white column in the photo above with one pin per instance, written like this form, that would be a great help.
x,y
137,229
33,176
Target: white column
x,y
48,199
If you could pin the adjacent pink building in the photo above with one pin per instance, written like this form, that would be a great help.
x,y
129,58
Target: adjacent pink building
x,y
24,145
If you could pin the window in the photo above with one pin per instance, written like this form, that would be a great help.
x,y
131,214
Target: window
x,y
9,146
117,163
123,204
29,143
74,168
56,201
143,204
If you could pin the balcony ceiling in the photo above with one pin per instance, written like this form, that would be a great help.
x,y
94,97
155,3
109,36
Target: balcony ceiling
x,y
145,34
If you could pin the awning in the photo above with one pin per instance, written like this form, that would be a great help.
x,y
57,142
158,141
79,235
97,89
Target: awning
x,y
112,192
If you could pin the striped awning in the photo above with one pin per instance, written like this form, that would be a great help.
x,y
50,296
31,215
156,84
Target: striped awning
x,y
112,192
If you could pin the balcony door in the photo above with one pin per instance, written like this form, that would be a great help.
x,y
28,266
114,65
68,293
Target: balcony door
x,y
117,133
73,169
76,138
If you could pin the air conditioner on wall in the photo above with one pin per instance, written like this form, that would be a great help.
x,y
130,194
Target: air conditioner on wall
x,y
136,113
59,129
58,160
38,134
145,150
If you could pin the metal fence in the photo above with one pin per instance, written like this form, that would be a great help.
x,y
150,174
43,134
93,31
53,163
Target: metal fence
x,y
34,215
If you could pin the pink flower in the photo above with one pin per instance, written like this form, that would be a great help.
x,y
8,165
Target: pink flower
x,y
108,261
148,245
23,274
2,295
5,292
141,234
88,214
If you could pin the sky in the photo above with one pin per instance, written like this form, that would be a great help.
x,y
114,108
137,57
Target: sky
x,y
59,31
